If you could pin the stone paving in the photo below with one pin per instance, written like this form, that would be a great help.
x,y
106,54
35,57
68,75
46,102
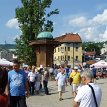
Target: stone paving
x,y
52,100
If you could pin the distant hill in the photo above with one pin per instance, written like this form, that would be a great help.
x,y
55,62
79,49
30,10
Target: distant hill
x,y
7,46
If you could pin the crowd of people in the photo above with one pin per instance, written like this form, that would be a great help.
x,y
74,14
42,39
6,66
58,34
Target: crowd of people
x,y
17,83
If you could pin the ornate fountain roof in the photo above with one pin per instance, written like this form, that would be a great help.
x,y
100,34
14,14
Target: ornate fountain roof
x,y
45,35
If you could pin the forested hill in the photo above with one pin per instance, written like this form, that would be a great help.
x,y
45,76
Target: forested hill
x,y
7,46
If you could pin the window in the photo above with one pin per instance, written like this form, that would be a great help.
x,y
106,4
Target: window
x,y
68,48
55,50
68,58
76,59
58,49
65,58
76,49
58,57
65,48
62,49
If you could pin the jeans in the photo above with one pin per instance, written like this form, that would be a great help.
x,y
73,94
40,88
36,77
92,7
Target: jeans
x,y
45,83
18,101
32,88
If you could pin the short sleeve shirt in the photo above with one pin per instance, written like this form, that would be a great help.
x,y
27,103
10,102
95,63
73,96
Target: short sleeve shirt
x,y
61,78
85,96
76,77
32,76
17,81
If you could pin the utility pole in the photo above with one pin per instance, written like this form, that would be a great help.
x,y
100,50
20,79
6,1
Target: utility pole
x,y
73,54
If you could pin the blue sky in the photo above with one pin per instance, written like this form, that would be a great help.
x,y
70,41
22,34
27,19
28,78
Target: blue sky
x,y
88,18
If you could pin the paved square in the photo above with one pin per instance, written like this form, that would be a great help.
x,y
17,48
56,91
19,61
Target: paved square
x,y
52,100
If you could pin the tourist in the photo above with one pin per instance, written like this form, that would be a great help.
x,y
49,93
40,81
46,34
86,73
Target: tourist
x,y
85,96
75,75
94,71
3,88
37,81
18,86
51,72
61,82
45,78
31,77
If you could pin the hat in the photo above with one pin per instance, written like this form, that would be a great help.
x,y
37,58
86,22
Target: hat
x,y
38,68
76,67
79,70
41,66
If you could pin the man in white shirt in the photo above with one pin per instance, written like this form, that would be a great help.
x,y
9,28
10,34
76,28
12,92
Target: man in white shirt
x,y
84,97
31,77
61,81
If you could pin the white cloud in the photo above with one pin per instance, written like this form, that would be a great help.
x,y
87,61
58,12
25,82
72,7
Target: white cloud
x,y
104,35
101,18
90,29
12,23
78,21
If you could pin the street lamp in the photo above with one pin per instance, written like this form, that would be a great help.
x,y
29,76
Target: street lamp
x,y
73,55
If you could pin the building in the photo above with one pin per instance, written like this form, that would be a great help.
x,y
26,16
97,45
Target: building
x,y
104,49
70,50
89,56
44,47
8,54
104,52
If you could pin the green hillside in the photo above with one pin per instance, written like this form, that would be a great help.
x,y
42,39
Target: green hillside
x,y
7,46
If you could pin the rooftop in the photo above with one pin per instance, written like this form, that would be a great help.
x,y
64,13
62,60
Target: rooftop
x,y
45,35
90,53
69,37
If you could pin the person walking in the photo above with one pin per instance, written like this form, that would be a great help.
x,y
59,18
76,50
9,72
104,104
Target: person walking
x,y
45,77
88,95
37,81
3,88
18,86
61,81
94,71
31,78
75,75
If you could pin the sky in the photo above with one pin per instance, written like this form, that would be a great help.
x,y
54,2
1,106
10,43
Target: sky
x,y
88,18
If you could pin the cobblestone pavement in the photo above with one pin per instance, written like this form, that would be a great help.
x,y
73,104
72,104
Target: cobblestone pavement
x,y
52,100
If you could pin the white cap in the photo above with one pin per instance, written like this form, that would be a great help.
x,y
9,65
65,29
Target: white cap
x,y
79,70
41,66
76,67
73,70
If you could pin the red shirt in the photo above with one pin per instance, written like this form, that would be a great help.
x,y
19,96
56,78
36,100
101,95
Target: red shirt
x,y
3,100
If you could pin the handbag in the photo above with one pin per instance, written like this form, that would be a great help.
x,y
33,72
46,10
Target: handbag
x,y
71,79
93,95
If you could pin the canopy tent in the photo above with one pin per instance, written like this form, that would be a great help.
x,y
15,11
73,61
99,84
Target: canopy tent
x,y
100,64
4,62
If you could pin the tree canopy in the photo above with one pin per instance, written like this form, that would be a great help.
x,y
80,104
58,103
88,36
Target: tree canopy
x,y
92,46
33,18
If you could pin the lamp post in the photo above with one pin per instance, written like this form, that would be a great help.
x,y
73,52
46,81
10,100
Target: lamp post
x,y
73,54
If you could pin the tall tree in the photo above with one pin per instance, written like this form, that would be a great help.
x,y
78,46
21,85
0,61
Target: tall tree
x,y
92,46
33,19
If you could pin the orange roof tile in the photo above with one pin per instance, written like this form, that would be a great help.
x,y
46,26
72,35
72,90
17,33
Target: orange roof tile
x,y
90,53
90,62
69,37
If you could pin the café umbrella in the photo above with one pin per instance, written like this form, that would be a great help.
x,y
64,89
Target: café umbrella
x,y
4,62
100,64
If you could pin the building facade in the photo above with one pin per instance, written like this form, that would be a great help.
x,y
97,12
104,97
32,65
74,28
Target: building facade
x,y
44,47
104,49
70,50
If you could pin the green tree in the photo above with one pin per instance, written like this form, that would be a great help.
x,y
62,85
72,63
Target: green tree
x,y
92,46
33,18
